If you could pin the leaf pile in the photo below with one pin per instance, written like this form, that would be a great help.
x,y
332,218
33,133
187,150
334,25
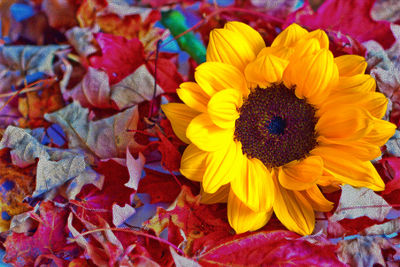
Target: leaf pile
x,y
89,164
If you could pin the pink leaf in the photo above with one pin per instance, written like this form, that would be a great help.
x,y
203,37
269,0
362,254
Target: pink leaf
x,y
347,17
282,248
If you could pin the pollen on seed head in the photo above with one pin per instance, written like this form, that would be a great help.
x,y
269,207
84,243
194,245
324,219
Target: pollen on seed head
x,y
275,126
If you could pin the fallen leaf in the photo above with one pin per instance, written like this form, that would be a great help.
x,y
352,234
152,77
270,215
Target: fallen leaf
x,y
275,248
365,251
61,13
92,91
163,187
30,59
358,202
105,138
346,17
121,214
203,225
82,40
135,88
135,168
92,202
181,261
386,10
15,184
54,165
119,56
50,238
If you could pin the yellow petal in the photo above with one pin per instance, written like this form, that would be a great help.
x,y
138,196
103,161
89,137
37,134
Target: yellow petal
x,y
221,196
223,107
206,135
380,133
230,47
222,165
243,219
265,70
348,169
350,65
363,149
289,36
293,210
180,116
305,47
344,122
193,163
361,83
313,76
252,37
216,76
302,174
193,96
317,199
319,35
375,103
279,51
254,187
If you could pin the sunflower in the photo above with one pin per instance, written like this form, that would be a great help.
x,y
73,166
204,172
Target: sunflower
x,y
268,126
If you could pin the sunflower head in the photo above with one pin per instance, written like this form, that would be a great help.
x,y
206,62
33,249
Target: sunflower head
x,y
268,126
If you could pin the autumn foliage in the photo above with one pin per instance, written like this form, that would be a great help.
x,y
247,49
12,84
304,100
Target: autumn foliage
x,y
89,164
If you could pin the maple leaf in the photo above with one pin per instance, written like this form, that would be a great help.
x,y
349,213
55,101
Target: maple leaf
x,y
105,138
131,78
119,56
346,17
278,248
50,238
55,167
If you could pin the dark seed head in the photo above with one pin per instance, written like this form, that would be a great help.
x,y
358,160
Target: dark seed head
x,y
275,126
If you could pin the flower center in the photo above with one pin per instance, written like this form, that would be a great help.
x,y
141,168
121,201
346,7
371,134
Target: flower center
x,y
275,126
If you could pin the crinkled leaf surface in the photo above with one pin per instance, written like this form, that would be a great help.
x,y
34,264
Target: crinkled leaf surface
x,y
29,59
105,138
55,166
357,202
366,251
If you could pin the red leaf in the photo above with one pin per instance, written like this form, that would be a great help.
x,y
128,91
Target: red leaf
x,y
203,225
50,238
280,248
92,202
120,57
163,187
170,156
349,17
354,226
391,193
168,77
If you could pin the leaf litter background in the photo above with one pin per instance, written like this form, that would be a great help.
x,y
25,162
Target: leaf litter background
x,y
89,164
